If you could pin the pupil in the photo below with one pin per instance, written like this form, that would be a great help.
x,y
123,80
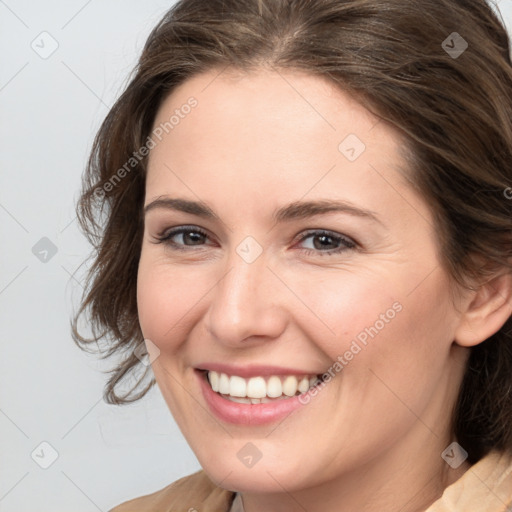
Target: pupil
x,y
324,240
194,237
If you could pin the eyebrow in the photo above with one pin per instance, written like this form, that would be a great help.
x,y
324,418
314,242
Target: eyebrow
x,y
293,211
182,205
305,209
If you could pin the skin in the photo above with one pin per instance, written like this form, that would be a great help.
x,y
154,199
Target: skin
x,y
372,438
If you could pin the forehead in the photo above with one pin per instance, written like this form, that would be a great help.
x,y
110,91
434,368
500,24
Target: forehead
x,y
275,109
274,136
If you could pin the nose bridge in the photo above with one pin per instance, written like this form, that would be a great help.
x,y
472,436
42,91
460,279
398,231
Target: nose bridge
x,y
243,304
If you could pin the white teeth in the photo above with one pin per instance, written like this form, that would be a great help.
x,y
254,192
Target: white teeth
x,y
290,385
240,400
214,380
274,387
258,389
237,386
223,384
303,385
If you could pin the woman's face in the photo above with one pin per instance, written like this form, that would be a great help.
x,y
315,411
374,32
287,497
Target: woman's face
x,y
294,248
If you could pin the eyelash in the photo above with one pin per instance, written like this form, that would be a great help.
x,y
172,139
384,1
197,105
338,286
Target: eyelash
x,y
345,242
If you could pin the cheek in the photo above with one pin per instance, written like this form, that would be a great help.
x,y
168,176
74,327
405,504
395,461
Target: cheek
x,y
377,323
406,356
344,307
166,300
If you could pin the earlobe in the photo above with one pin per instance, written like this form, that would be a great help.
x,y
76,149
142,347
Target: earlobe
x,y
487,311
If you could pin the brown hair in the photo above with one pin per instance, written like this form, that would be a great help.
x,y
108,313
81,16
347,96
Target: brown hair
x,y
455,112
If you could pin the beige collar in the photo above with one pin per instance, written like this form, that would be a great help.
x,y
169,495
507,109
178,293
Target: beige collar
x,y
484,487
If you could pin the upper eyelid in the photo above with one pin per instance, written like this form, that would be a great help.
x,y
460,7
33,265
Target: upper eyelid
x,y
330,232
182,228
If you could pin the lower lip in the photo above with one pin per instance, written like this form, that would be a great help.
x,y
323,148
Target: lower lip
x,y
246,414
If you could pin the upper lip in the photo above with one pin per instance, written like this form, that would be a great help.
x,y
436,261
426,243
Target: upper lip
x,y
253,370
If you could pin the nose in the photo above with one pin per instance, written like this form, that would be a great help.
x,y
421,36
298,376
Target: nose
x,y
246,305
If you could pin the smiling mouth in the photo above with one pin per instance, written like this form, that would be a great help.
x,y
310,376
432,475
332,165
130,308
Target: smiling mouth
x,y
260,390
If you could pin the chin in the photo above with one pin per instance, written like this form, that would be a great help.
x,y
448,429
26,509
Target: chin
x,y
250,480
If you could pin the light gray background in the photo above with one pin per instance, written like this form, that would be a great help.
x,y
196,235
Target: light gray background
x,y
50,391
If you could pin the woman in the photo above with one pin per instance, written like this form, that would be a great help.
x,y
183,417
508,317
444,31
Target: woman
x,y
301,210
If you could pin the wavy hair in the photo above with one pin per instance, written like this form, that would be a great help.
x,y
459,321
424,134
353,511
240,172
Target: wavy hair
x,y
407,63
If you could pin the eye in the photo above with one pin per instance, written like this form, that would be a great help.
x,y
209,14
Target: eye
x,y
183,236
317,242
326,242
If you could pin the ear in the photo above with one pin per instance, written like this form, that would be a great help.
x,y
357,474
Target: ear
x,y
486,311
